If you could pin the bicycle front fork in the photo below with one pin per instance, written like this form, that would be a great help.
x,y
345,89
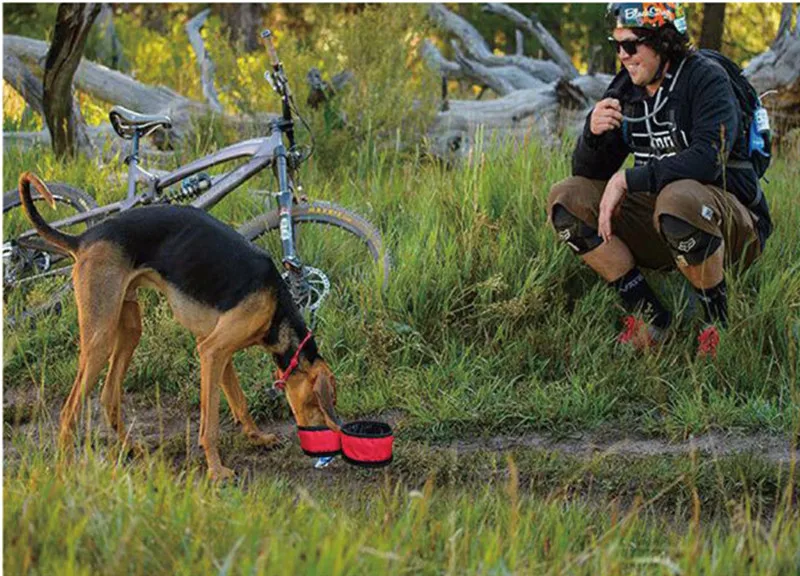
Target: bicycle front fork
x,y
309,286
285,197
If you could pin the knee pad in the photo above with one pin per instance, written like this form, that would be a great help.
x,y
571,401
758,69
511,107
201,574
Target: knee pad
x,y
689,245
581,237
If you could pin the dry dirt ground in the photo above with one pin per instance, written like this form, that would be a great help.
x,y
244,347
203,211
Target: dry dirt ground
x,y
175,425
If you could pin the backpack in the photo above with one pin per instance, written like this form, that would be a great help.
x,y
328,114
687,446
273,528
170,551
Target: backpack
x,y
755,136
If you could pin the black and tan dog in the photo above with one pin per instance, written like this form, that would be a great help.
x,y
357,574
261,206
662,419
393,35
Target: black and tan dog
x,y
226,291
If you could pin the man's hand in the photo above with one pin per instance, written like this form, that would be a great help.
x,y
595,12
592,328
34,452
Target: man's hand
x,y
611,203
607,115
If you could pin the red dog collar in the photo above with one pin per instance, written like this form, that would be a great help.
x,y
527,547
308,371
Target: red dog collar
x,y
280,383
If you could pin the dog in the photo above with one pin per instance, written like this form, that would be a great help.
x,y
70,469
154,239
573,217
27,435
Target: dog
x,y
225,290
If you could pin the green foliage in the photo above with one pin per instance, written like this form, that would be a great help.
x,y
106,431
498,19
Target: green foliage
x,y
750,28
488,324
393,95
579,27
102,516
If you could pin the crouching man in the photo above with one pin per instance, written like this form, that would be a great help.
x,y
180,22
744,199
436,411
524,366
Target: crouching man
x,y
692,198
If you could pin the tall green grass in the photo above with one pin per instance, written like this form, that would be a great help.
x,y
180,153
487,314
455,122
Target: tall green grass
x,y
100,516
489,325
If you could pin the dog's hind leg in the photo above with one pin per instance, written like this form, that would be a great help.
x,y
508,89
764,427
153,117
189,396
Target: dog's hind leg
x,y
129,332
238,403
99,287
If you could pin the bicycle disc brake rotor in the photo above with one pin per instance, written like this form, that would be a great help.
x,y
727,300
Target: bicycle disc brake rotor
x,y
310,289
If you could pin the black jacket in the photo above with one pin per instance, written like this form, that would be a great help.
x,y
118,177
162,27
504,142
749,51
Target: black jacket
x,y
695,108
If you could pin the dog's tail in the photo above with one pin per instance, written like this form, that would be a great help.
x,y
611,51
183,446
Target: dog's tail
x,y
66,242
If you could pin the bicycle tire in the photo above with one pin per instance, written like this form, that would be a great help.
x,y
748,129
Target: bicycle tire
x,y
61,192
68,197
330,214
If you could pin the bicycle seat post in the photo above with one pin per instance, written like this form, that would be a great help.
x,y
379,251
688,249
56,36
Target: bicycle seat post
x,y
133,162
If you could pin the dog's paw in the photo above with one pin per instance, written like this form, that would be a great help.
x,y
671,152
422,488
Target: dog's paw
x,y
261,439
220,473
137,449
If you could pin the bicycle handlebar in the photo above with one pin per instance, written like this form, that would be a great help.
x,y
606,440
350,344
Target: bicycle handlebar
x,y
273,54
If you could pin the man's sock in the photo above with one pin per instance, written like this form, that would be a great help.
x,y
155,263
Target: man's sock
x,y
636,295
715,303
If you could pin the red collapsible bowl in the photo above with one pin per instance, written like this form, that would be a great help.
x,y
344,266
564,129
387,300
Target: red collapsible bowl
x,y
319,440
366,443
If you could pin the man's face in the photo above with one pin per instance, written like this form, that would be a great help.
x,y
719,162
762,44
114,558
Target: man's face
x,y
643,65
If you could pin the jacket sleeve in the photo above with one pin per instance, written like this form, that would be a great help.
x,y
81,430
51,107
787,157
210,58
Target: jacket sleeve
x,y
598,157
714,116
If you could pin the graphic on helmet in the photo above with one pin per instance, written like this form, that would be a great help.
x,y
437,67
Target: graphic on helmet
x,y
648,15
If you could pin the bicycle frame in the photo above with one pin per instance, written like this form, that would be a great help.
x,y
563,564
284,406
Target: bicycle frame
x,y
262,152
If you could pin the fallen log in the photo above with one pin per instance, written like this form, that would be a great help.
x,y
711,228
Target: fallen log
x,y
536,98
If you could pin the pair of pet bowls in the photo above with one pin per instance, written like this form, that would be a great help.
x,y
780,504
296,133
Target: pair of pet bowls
x,y
362,443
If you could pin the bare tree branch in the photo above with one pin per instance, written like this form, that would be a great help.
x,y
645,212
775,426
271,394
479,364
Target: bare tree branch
x,y
439,63
101,82
535,27
207,67
478,50
474,43
109,49
785,26
483,74
23,81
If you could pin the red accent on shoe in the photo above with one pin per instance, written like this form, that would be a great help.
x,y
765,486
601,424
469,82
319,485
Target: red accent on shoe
x,y
638,333
707,342
632,325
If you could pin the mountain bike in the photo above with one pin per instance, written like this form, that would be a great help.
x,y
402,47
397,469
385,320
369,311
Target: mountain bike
x,y
317,240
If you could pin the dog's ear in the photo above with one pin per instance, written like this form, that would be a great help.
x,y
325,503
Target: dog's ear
x,y
324,393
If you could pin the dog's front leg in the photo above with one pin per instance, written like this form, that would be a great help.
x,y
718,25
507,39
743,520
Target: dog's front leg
x,y
212,367
238,404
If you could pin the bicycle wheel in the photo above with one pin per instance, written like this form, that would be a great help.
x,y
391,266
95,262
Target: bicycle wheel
x,y
35,275
328,238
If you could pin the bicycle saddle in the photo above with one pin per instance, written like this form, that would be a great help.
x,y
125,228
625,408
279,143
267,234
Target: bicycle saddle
x,y
126,122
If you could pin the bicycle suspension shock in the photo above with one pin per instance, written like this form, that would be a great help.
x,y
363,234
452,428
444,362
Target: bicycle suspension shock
x,y
191,187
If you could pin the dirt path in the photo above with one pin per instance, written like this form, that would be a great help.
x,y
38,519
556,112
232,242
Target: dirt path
x,y
177,424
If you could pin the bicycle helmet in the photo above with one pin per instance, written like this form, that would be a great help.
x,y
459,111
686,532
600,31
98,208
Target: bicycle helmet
x,y
653,15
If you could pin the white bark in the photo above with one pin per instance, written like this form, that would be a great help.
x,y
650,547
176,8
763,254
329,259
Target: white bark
x,y
534,27
103,83
537,98
207,67
776,75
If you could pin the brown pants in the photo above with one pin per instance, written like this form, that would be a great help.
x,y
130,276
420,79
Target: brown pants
x,y
707,208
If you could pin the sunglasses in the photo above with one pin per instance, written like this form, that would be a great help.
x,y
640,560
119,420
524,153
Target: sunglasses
x,y
630,46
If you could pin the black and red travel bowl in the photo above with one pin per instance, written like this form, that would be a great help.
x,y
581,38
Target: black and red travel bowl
x,y
319,440
367,443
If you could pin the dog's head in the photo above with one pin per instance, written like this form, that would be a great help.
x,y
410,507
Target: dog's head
x,y
311,392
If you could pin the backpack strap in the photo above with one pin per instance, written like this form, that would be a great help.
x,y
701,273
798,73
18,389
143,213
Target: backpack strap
x,y
747,165
739,164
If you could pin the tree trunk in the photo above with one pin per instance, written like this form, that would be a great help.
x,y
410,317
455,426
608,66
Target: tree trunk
x,y
63,118
713,25
243,21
